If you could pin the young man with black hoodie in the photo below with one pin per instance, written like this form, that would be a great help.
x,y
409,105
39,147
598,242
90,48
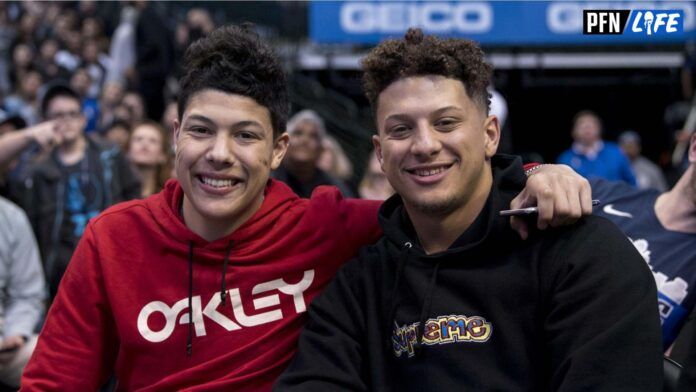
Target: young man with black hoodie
x,y
450,298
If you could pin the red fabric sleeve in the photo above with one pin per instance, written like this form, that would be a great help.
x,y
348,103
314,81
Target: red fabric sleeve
x,y
78,344
530,165
360,217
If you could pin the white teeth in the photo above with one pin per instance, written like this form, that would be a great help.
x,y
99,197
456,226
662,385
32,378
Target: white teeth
x,y
429,172
216,183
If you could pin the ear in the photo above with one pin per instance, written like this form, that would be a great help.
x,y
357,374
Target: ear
x,y
378,150
280,147
492,135
692,149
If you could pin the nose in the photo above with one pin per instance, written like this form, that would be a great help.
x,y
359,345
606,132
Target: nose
x,y
220,153
426,142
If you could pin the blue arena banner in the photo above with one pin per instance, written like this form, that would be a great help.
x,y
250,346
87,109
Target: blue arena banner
x,y
499,22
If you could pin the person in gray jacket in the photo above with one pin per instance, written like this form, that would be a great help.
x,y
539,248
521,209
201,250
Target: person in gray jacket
x,y
22,292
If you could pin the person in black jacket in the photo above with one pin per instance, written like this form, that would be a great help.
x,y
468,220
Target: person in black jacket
x,y
451,298
75,182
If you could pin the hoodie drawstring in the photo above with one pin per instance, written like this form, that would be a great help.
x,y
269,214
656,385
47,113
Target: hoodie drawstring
x,y
223,291
403,257
189,341
425,310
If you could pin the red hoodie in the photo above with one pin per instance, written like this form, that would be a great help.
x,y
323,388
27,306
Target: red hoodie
x,y
123,303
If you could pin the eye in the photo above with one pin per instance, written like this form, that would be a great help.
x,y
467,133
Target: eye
x,y
247,135
447,122
398,131
199,130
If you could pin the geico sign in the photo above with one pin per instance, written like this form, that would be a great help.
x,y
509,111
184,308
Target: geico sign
x,y
171,313
388,17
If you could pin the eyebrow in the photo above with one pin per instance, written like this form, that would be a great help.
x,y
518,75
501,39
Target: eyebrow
x,y
209,122
406,116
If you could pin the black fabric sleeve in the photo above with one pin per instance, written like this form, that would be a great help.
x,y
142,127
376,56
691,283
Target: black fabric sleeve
x,y
601,318
331,346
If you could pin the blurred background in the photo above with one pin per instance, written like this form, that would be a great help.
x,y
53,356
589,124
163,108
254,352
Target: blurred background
x,y
546,69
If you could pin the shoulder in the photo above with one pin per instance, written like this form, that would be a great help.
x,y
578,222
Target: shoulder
x,y
329,199
11,211
121,216
595,243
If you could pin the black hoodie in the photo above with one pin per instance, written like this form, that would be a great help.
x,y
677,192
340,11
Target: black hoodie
x,y
572,309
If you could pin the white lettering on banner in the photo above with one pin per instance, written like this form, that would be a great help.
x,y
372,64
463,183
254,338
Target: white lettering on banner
x,y
210,311
566,17
434,17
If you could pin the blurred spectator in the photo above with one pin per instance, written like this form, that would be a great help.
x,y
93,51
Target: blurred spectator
x,y
24,101
79,179
334,161
110,98
22,292
93,64
171,113
69,57
22,60
648,175
154,57
134,102
122,50
81,82
149,150
299,168
592,157
374,185
46,62
118,133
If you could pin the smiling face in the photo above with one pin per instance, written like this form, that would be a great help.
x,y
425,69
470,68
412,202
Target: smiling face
x,y
225,151
434,143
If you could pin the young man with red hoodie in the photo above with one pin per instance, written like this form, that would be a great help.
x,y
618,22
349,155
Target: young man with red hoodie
x,y
239,255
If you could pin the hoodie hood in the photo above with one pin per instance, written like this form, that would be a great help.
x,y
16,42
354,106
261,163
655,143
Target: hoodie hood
x,y
508,180
166,210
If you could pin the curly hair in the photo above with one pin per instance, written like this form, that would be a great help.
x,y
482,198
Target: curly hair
x,y
417,55
234,60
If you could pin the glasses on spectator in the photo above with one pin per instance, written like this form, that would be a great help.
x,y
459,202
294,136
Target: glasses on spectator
x,y
64,115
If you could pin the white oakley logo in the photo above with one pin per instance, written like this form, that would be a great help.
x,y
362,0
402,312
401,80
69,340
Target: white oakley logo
x,y
609,209
210,310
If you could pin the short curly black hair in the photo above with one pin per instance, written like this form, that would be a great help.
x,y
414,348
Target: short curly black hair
x,y
234,60
419,55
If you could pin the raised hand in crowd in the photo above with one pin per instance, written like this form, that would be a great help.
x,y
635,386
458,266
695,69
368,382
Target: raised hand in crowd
x,y
46,135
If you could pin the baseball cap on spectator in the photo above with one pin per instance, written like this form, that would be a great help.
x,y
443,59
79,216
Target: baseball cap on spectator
x,y
13,119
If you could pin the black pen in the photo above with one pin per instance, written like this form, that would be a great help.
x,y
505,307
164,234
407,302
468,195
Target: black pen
x,y
530,210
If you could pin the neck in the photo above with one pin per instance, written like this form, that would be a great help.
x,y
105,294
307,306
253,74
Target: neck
x,y
437,232
213,229
73,151
148,176
303,171
676,209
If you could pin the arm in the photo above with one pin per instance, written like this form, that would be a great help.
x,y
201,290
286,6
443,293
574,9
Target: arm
x,y
330,352
561,194
78,344
12,144
600,312
26,288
